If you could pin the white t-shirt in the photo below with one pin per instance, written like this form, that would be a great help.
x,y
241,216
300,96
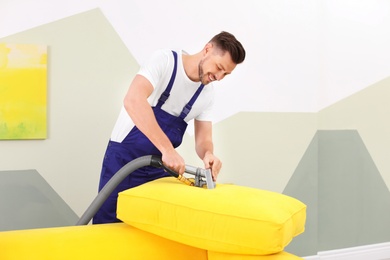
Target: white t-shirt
x,y
158,70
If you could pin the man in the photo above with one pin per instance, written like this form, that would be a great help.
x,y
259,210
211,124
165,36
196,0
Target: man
x,y
172,88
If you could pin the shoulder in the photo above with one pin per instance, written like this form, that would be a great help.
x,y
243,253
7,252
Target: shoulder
x,y
159,61
157,66
161,56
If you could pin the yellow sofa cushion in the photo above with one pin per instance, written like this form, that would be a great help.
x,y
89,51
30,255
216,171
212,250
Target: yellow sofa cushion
x,y
225,256
107,241
230,218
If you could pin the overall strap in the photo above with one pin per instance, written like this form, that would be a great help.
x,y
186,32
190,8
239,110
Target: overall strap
x,y
165,95
187,108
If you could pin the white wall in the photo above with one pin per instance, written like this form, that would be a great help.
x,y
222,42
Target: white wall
x,y
303,55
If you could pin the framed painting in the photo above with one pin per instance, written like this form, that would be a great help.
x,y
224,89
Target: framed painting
x,y
23,91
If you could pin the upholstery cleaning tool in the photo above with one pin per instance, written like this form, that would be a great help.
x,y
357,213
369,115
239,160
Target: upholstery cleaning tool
x,y
202,179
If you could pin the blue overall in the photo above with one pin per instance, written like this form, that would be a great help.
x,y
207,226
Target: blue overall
x,y
135,145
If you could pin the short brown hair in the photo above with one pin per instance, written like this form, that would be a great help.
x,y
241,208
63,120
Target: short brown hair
x,y
227,42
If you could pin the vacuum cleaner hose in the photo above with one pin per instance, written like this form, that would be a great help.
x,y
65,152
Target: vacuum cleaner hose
x,y
148,160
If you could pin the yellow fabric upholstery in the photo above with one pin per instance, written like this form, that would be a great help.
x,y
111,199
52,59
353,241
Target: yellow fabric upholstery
x,y
277,256
229,219
107,241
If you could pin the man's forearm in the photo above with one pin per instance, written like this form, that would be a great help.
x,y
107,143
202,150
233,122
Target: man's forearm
x,y
204,148
143,117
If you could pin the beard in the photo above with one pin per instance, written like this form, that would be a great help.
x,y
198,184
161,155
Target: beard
x,y
202,77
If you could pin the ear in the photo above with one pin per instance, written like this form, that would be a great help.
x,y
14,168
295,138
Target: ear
x,y
207,48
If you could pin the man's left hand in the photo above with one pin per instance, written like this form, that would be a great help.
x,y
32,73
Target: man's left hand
x,y
212,162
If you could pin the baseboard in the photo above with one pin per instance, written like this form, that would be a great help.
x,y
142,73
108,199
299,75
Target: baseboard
x,y
367,252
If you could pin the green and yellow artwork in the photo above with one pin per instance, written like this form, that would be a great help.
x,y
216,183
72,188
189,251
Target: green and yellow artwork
x,y
23,91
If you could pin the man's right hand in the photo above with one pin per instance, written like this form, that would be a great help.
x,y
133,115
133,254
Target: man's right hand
x,y
174,161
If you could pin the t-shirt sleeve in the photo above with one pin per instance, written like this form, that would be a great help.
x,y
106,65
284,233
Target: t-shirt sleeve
x,y
155,67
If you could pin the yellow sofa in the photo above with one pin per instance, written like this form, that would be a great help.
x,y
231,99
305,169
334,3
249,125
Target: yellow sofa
x,y
166,219
107,241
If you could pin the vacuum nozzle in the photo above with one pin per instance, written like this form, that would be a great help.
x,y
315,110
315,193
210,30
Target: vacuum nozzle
x,y
202,177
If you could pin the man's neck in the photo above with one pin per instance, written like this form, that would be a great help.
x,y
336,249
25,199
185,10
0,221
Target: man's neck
x,y
190,64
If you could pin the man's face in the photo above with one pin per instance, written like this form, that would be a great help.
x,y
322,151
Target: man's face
x,y
215,65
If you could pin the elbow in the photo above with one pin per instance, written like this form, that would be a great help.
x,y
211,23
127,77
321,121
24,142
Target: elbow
x,y
202,148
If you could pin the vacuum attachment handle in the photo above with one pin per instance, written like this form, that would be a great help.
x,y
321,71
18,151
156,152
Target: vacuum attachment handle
x,y
157,162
